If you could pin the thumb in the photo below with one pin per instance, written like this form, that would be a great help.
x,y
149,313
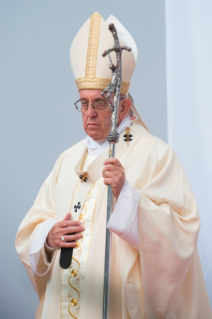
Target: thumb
x,y
68,216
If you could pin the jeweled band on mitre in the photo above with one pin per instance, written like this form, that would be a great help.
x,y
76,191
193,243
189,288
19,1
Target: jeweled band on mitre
x,y
99,84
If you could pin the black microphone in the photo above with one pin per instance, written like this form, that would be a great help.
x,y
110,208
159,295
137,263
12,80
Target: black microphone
x,y
66,256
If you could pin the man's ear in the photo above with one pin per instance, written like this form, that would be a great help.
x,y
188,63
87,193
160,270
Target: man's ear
x,y
124,108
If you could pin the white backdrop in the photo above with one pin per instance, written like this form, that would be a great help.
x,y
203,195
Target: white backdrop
x,y
189,98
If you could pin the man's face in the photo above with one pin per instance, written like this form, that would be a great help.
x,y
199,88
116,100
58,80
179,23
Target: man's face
x,y
97,125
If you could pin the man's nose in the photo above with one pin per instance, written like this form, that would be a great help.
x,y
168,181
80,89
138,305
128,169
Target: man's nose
x,y
91,111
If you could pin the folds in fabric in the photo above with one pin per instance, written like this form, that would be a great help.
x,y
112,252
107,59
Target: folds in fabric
x,y
164,279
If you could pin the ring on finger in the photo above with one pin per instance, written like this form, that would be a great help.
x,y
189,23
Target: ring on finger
x,y
62,238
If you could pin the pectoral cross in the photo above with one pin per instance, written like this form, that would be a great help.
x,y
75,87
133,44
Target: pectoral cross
x,y
77,207
128,136
84,177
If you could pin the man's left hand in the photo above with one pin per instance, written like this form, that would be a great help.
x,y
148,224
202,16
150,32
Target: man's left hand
x,y
114,175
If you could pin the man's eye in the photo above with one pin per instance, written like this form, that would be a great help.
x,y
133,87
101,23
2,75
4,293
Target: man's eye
x,y
84,103
100,103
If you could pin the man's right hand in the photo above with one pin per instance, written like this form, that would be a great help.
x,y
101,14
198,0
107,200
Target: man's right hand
x,y
64,228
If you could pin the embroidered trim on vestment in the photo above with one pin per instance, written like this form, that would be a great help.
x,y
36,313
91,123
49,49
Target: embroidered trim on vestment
x,y
74,302
93,217
61,287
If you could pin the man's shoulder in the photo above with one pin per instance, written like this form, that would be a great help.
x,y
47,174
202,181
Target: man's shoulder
x,y
145,137
74,149
71,155
150,145
152,150
156,142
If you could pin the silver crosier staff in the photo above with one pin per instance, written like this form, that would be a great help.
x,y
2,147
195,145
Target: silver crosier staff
x,y
114,87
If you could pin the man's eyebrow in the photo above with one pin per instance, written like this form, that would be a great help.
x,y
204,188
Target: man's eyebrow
x,y
95,99
99,98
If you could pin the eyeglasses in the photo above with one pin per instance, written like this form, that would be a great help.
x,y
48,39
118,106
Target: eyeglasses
x,y
99,105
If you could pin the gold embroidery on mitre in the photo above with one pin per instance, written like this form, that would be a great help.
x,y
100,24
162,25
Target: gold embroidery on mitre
x,y
99,84
90,81
93,44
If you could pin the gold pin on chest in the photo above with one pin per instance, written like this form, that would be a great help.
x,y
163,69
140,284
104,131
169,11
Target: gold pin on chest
x,y
84,177
128,136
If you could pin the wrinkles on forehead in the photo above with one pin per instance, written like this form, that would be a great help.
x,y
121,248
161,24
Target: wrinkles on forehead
x,y
92,95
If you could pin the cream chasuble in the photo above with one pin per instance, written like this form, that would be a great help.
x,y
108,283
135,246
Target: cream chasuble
x,y
74,276
163,280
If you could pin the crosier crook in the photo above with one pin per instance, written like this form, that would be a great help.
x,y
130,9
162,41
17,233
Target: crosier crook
x,y
113,87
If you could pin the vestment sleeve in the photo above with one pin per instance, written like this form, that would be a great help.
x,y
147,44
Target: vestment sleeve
x,y
124,219
39,215
39,247
168,224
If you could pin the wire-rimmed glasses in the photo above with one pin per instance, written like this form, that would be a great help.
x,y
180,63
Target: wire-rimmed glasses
x,y
99,106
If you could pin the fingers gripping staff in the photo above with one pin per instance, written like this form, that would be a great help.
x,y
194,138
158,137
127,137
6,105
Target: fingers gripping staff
x,y
113,88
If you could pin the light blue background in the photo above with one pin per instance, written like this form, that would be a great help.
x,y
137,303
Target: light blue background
x,y
38,120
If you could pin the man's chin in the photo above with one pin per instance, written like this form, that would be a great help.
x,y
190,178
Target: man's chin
x,y
95,138
94,134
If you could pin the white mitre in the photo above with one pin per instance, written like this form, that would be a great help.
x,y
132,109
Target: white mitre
x,y
90,68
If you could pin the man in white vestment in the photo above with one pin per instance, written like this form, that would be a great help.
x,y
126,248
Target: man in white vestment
x,y
155,266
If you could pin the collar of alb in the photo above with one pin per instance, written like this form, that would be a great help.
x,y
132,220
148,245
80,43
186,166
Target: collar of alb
x,y
95,148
